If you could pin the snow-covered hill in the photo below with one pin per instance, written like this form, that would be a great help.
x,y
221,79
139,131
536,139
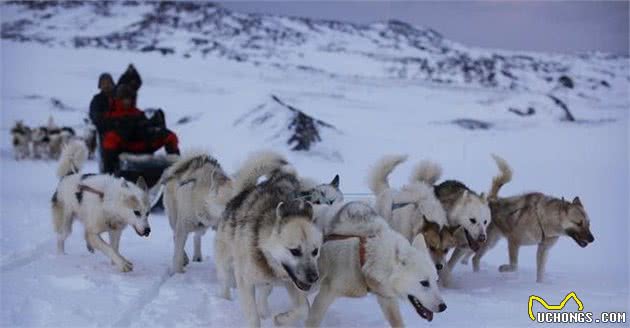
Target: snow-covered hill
x,y
386,49
244,95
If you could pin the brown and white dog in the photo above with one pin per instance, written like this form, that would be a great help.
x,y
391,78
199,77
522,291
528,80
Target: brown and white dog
x,y
468,213
532,219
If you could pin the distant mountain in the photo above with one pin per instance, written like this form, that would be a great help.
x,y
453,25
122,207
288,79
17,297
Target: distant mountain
x,y
278,121
391,49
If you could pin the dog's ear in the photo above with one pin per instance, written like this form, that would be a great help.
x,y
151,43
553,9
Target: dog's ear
x,y
335,182
280,213
419,243
451,229
307,209
142,184
428,225
577,201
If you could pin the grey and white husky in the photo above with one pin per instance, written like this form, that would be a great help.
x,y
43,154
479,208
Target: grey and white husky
x,y
267,236
21,135
196,190
101,202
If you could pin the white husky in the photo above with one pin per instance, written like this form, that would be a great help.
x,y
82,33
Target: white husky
x,y
362,254
101,202
414,209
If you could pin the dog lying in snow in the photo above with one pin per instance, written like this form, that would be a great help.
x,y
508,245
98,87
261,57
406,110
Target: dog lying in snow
x,y
532,219
361,254
414,209
101,202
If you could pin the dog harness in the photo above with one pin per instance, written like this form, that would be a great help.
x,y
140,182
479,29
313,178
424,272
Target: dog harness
x,y
83,188
396,206
372,285
333,237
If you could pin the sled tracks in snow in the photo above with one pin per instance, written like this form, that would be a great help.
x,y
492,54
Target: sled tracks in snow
x,y
145,298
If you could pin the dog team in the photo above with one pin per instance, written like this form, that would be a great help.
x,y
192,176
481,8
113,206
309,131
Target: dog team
x,y
292,231
47,141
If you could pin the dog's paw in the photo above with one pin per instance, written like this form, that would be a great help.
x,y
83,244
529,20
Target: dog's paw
x,y
224,294
176,269
125,266
283,319
89,248
507,268
186,259
289,318
197,258
263,311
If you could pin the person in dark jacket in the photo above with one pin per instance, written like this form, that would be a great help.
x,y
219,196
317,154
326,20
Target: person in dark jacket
x,y
130,131
102,101
131,78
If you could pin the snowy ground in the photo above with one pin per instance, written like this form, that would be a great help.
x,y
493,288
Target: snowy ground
x,y
376,117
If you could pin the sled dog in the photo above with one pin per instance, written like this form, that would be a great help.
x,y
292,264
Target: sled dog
x,y
362,254
40,141
21,135
101,202
267,236
532,219
196,190
414,209
467,213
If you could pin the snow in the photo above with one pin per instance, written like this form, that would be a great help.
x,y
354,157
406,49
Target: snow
x,y
376,116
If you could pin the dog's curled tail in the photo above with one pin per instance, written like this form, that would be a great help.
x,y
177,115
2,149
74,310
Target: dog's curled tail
x,y
377,179
73,155
426,171
505,176
257,165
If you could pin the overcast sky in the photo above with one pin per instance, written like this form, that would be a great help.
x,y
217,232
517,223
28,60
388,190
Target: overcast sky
x,y
550,26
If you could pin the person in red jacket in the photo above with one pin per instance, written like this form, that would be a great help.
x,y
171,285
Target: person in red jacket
x,y
130,131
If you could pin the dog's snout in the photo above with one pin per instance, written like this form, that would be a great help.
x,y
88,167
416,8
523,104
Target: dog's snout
x,y
312,277
439,266
442,307
482,238
147,232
